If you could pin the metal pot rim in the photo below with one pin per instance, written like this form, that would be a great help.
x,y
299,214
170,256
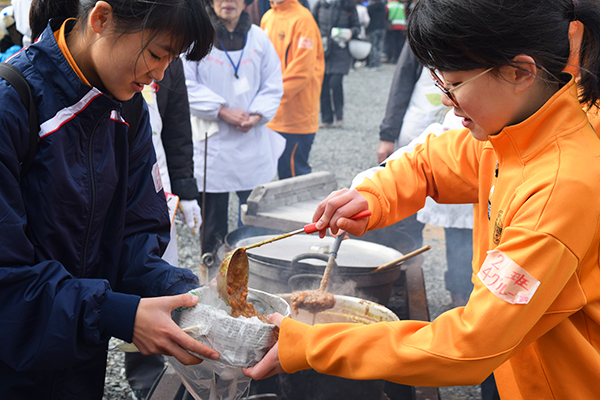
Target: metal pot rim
x,y
354,254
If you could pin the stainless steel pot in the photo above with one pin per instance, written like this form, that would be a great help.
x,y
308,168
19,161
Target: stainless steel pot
x,y
309,384
274,266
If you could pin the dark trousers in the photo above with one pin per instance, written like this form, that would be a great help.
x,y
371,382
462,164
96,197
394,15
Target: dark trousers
x,y
142,371
83,380
377,41
294,160
215,219
394,41
332,88
459,254
489,390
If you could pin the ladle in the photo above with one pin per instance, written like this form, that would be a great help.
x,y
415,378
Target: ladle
x,y
230,280
233,276
315,301
308,229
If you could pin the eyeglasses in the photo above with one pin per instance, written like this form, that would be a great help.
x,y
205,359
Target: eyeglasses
x,y
448,92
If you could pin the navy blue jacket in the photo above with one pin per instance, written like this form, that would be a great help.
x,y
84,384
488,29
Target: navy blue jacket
x,y
81,233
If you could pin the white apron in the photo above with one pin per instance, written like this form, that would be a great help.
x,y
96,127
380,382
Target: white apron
x,y
236,160
425,108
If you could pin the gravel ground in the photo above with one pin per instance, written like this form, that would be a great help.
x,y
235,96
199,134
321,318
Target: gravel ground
x,y
345,152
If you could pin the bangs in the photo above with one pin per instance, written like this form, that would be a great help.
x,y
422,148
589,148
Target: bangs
x,y
439,43
191,31
463,35
186,22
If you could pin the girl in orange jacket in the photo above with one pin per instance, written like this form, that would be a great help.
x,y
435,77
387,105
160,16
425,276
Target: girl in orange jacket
x,y
530,161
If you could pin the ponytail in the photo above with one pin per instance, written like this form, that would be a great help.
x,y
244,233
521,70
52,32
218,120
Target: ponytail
x,y
43,10
588,13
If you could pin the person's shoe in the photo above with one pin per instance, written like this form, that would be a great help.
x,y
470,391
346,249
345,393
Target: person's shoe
x,y
325,125
339,123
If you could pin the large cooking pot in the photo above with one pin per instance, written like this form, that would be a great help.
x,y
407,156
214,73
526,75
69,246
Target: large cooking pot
x,y
275,267
309,384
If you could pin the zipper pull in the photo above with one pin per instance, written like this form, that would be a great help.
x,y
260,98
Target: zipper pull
x,y
496,171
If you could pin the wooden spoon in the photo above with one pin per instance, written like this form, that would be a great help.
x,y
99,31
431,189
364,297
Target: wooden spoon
x,y
405,257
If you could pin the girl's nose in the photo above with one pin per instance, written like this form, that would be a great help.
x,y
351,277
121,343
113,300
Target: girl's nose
x,y
446,101
158,72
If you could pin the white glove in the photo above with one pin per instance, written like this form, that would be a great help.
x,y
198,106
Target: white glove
x,y
341,36
191,214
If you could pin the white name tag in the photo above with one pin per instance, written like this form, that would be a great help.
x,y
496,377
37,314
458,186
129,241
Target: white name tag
x,y
147,92
241,86
172,203
156,177
506,279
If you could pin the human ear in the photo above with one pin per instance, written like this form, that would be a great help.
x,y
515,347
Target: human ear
x,y
523,72
99,17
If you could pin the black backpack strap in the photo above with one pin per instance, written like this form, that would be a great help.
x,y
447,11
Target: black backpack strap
x,y
14,77
132,111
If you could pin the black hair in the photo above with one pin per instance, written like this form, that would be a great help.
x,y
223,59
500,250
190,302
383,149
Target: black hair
x,y
186,20
462,35
247,2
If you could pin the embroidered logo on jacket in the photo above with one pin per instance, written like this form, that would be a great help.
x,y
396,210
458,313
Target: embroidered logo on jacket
x,y
506,279
498,225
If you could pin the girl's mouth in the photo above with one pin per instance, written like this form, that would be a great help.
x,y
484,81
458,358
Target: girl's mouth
x,y
467,122
138,86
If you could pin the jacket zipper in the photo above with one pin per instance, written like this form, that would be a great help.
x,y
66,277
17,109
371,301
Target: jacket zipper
x,y
93,194
492,190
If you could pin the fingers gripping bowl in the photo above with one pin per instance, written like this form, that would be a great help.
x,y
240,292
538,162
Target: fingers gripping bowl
x,y
241,342
227,319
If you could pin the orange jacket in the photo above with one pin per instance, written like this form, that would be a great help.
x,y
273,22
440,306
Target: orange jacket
x,y
295,35
533,317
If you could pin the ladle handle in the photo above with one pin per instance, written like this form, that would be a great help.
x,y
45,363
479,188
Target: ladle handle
x,y
331,261
312,228
403,258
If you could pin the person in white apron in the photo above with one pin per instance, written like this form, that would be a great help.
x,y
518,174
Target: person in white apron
x,y
233,93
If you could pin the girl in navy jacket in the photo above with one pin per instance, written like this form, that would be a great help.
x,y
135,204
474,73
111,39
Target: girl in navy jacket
x,y
84,228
